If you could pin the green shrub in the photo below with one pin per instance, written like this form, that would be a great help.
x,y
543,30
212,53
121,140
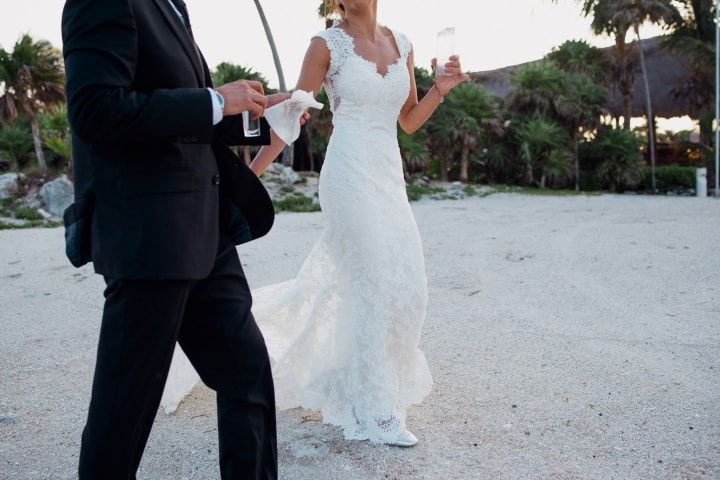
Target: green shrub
x,y
27,213
15,141
296,203
589,181
416,192
668,177
620,160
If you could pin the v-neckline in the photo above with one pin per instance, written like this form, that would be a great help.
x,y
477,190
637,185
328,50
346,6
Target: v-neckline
x,y
372,64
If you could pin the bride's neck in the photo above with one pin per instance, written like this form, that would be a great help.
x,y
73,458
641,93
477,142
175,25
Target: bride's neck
x,y
363,23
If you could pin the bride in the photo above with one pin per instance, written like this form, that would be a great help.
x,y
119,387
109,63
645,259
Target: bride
x,y
343,335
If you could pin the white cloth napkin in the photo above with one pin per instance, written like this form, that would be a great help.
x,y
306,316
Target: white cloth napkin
x,y
284,118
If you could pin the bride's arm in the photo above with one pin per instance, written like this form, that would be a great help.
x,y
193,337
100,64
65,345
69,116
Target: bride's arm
x,y
415,113
312,75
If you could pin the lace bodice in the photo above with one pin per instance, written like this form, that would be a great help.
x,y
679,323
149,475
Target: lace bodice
x,y
354,85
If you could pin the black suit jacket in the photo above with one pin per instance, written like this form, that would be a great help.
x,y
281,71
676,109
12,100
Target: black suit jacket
x,y
155,180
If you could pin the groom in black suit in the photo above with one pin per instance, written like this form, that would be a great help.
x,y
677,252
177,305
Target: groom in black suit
x,y
161,202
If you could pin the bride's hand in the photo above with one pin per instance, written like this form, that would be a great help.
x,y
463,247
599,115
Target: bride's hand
x,y
454,75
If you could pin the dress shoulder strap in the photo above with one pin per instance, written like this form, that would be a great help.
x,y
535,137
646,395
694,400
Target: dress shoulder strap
x,y
403,43
340,45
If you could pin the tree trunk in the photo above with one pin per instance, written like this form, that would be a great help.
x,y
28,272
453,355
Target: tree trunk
x,y
543,179
246,155
288,157
650,116
528,176
627,110
273,48
443,168
38,144
706,129
464,162
625,84
576,162
308,143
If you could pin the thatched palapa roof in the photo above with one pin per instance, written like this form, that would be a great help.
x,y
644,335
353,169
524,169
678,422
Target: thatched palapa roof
x,y
666,71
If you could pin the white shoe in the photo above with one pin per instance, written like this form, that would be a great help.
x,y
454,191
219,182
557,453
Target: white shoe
x,y
404,440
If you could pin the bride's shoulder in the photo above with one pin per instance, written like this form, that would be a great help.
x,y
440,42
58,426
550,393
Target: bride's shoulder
x,y
403,42
332,37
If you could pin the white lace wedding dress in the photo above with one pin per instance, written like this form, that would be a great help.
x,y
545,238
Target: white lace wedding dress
x,y
343,335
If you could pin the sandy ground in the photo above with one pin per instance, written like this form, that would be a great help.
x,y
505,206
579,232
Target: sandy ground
x,y
569,338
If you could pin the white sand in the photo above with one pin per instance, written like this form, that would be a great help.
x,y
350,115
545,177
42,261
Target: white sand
x,y
569,338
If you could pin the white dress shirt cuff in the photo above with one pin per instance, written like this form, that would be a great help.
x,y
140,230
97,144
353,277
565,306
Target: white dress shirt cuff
x,y
216,107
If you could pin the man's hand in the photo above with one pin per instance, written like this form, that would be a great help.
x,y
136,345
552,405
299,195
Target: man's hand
x,y
244,95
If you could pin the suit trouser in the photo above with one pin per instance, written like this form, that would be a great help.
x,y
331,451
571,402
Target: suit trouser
x,y
211,320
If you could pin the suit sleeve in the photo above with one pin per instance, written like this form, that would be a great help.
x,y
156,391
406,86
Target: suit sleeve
x,y
100,46
230,131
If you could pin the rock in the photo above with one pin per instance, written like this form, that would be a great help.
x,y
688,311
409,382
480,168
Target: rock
x,y
421,181
456,191
8,418
275,169
44,213
9,184
57,195
289,176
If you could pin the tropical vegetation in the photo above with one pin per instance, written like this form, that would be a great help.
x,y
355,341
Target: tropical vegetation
x,y
31,82
553,131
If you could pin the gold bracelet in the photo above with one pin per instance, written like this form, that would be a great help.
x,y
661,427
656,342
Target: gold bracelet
x,y
442,97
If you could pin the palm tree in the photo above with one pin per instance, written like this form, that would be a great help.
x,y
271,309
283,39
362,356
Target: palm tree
x,y
639,12
467,121
289,151
578,56
542,142
580,107
56,132
617,18
621,161
15,142
537,88
605,20
273,48
324,12
414,150
31,80
693,38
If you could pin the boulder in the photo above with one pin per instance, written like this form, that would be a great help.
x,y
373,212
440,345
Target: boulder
x,y
9,184
289,176
274,169
57,195
420,181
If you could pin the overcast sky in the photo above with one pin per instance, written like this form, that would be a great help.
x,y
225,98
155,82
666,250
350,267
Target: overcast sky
x,y
490,33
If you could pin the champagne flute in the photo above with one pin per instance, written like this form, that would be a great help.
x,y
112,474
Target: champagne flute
x,y
251,128
445,49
